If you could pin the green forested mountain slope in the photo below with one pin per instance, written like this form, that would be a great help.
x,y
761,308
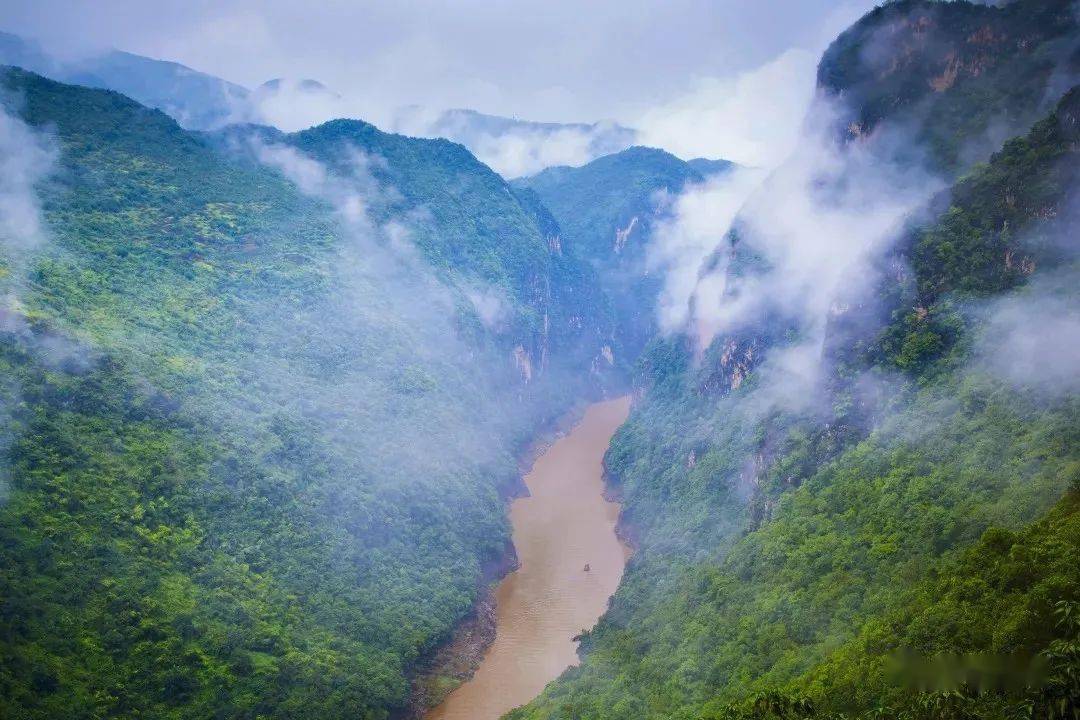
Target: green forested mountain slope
x,y
488,235
606,211
1011,594
951,79
257,439
784,554
263,393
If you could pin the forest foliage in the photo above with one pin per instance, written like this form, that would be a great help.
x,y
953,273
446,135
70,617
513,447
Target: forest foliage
x,y
261,417
788,560
249,478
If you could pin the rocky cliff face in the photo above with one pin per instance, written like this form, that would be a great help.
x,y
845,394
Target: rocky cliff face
x,y
497,249
930,86
955,79
844,435
607,211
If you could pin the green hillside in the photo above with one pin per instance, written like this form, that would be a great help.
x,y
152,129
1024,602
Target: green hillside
x,y
784,555
606,211
264,396
951,78
218,390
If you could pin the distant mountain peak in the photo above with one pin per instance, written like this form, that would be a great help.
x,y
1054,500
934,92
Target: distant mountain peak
x,y
304,84
514,147
194,99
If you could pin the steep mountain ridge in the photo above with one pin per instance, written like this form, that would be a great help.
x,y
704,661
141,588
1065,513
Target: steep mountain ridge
x,y
196,100
263,394
778,520
607,211
476,233
955,79
242,353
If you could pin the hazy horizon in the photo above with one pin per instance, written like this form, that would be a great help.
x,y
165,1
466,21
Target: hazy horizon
x,y
732,86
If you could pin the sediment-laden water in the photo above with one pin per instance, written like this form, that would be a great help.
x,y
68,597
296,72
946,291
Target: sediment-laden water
x,y
564,524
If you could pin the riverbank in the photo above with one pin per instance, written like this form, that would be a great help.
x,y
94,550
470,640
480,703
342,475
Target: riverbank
x,y
456,660
562,525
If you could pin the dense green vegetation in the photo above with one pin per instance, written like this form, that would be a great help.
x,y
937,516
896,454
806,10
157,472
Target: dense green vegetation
x,y
785,556
258,455
686,637
126,591
606,211
1000,224
486,237
262,396
951,77
1012,593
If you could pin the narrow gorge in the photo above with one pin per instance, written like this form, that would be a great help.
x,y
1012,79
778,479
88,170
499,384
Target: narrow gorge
x,y
570,563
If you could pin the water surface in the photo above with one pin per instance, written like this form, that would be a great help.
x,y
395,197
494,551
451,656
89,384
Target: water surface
x,y
563,525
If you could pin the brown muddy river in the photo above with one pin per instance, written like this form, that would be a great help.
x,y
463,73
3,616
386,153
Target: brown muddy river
x,y
564,524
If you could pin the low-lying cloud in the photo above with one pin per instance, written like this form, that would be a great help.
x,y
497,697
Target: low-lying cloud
x,y
1032,338
523,152
516,148
349,197
27,158
752,118
490,307
699,219
291,105
811,232
388,328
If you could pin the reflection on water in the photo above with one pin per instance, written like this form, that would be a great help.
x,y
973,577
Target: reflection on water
x,y
564,525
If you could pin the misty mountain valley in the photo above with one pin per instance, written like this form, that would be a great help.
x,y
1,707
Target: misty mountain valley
x,y
702,360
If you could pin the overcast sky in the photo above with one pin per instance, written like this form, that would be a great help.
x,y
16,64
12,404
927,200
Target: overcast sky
x,y
546,60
